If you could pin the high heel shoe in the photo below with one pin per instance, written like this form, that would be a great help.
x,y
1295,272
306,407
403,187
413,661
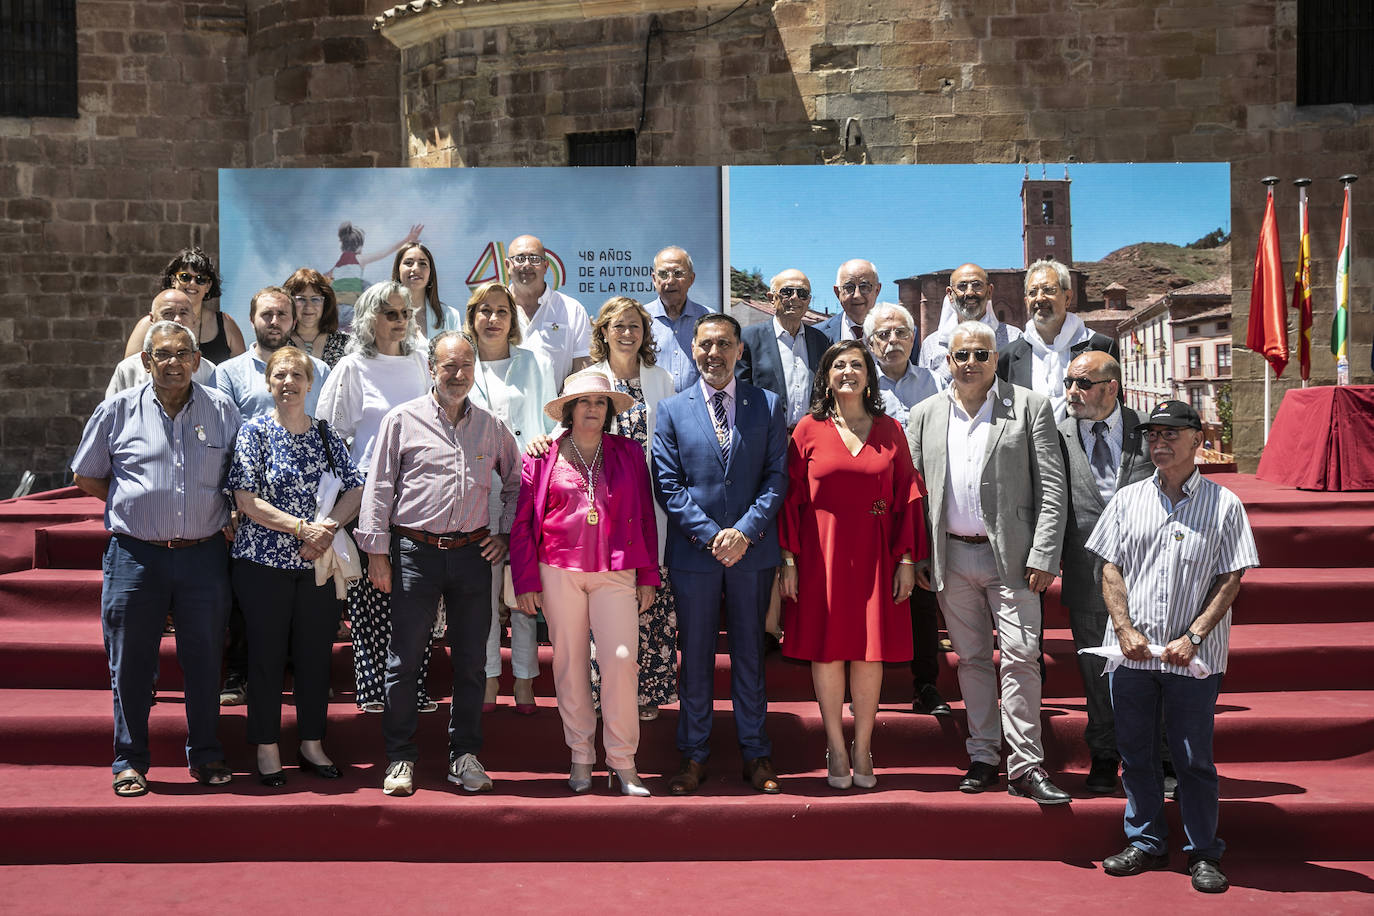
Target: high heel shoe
x,y
322,770
837,780
273,780
864,780
580,778
630,783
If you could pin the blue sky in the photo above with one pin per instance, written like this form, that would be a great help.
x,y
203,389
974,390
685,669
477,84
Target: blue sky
x,y
914,219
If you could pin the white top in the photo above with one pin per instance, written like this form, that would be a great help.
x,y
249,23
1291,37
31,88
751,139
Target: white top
x,y
796,371
965,446
1050,360
560,329
360,391
130,374
936,345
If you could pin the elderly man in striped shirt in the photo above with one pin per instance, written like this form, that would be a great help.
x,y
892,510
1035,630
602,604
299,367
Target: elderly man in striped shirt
x,y
1175,547
425,527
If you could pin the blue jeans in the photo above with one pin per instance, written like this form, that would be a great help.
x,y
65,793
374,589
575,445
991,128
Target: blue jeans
x,y
1188,706
143,584
420,575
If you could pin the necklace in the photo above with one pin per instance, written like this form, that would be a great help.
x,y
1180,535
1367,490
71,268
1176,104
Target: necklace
x,y
589,475
306,344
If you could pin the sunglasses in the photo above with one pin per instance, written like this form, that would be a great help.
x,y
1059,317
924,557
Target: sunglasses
x,y
794,292
397,315
185,276
1168,435
962,356
1085,383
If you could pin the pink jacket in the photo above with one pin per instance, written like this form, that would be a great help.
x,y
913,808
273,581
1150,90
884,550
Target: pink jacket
x,y
630,514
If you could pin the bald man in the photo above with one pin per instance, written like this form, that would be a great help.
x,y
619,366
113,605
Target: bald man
x,y
967,298
856,289
551,322
675,315
782,355
168,305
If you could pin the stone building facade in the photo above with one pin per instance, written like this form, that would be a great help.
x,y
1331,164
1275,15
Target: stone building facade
x,y
171,90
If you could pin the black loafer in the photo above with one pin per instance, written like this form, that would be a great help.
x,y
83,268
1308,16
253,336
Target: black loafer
x,y
1133,861
273,780
1102,777
322,770
1035,783
980,776
929,701
1207,876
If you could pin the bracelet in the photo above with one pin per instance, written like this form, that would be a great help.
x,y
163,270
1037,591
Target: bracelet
x,y
905,562
299,523
789,561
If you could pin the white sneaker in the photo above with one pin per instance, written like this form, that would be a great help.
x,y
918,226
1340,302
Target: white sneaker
x,y
467,772
400,778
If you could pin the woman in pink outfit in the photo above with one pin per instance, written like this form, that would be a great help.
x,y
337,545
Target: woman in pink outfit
x,y
585,549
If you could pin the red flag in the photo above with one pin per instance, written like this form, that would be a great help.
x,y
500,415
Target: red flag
x,y
1302,292
1268,332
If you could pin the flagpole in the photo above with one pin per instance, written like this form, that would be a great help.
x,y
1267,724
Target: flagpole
x,y
1268,181
1304,333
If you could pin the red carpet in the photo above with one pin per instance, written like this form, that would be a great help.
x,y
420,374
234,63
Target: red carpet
x,y
1295,747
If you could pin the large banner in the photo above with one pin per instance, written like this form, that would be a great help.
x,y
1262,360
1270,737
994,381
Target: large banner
x,y
600,227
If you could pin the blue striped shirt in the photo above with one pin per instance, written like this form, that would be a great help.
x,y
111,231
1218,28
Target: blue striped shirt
x,y
166,475
1169,556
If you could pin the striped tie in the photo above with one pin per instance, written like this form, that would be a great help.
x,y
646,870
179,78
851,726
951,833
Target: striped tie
x,y
722,425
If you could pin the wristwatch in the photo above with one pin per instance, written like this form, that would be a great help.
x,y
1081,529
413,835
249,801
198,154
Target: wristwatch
x,y
1194,638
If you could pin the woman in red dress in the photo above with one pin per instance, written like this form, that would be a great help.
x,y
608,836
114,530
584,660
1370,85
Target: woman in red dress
x,y
851,533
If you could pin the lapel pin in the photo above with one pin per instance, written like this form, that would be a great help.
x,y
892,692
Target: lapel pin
x,y
1006,402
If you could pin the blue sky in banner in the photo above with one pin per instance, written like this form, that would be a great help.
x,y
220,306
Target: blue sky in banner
x,y
604,225
915,219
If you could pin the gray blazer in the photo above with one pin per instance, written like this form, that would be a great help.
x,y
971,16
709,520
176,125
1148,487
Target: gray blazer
x,y
1082,588
1022,492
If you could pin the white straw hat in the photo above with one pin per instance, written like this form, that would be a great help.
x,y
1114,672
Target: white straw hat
x,y
582,384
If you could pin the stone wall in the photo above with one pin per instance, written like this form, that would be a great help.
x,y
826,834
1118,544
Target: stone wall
x,y
927,81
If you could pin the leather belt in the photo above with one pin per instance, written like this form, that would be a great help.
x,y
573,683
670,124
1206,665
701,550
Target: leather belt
x,y
969,538
442,541
178,543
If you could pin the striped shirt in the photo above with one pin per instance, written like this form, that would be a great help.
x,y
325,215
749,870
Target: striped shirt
x,y
435,476
166,474
1169,556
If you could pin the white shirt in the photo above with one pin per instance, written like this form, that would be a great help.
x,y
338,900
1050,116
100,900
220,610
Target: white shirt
x,y
966,444
130,374
796,371
361,390
560,329
936,346
1050,360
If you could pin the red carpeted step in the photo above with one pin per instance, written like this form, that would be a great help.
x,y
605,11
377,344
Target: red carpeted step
x,y
50,594
75,545
20,518
1340,537
69,814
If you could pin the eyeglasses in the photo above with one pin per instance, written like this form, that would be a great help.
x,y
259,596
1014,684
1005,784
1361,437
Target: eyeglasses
x,y
532,259
975,286
1085,383
677,273
163,357
1036,291
1168,435
397,314
850,289
892,334
793,292
962,356
316,301
185,276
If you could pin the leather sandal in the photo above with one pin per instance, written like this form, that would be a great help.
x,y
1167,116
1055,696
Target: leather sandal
x,y
130,783
212,774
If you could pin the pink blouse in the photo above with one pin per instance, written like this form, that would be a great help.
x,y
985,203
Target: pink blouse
x,y
569,542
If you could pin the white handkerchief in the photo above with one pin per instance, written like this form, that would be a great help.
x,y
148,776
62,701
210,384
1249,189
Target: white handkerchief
x,y
1114,656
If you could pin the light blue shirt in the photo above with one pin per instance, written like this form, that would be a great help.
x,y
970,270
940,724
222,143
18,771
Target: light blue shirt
x,y
911,389
674,340
244,379
166,474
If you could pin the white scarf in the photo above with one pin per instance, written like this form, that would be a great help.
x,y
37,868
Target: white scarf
x,y
1051,360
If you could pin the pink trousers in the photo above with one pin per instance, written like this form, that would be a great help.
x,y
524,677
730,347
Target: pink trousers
x,y
601,605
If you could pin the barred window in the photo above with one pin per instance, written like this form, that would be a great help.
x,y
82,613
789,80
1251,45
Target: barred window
x,y
1335,52
604,147
38,58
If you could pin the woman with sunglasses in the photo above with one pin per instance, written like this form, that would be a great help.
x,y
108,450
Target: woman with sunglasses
x,y
852,532
193,273
317,316
414,268
385,366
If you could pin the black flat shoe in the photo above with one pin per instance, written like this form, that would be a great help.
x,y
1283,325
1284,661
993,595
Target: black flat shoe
x,y
322,770
1102,777
1035,783
1207,876
980,776
1133,861
273,780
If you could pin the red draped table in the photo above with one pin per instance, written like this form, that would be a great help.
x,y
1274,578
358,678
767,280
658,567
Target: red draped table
x,y
1322,439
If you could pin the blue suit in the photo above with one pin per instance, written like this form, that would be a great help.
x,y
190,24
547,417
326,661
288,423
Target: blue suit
x,y
701,496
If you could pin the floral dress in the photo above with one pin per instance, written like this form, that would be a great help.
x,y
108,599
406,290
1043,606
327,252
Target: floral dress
x,y
658,625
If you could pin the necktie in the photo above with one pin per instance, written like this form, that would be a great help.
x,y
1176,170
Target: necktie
x,y
722,424
1103,472
858,331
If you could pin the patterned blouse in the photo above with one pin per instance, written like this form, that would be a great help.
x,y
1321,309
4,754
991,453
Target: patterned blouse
x,y
284,469
633,422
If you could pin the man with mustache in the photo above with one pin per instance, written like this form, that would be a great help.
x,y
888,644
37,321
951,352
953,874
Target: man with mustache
x,y
967,298
551,322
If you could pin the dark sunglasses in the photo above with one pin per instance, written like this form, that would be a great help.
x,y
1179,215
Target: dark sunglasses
x,y
186,276
397,314
962,356
794,292
1085,383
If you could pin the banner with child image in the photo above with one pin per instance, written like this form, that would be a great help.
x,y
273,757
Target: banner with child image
x,y
600,227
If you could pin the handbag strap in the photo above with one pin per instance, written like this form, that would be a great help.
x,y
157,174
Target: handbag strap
x,y
323,427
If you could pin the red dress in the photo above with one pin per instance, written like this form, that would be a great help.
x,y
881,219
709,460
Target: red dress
x,y
847,518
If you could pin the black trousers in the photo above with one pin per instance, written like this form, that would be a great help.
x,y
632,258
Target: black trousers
x,y
925,637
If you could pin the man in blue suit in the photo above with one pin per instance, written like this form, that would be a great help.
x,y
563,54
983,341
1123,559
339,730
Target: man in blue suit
x,y
856,288
720,448
782,355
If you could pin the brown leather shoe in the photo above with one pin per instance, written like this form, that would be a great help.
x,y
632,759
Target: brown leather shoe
x,y
759,773
688,778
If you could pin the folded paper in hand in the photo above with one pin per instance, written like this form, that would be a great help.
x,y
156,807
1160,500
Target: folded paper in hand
x,y
1114,656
